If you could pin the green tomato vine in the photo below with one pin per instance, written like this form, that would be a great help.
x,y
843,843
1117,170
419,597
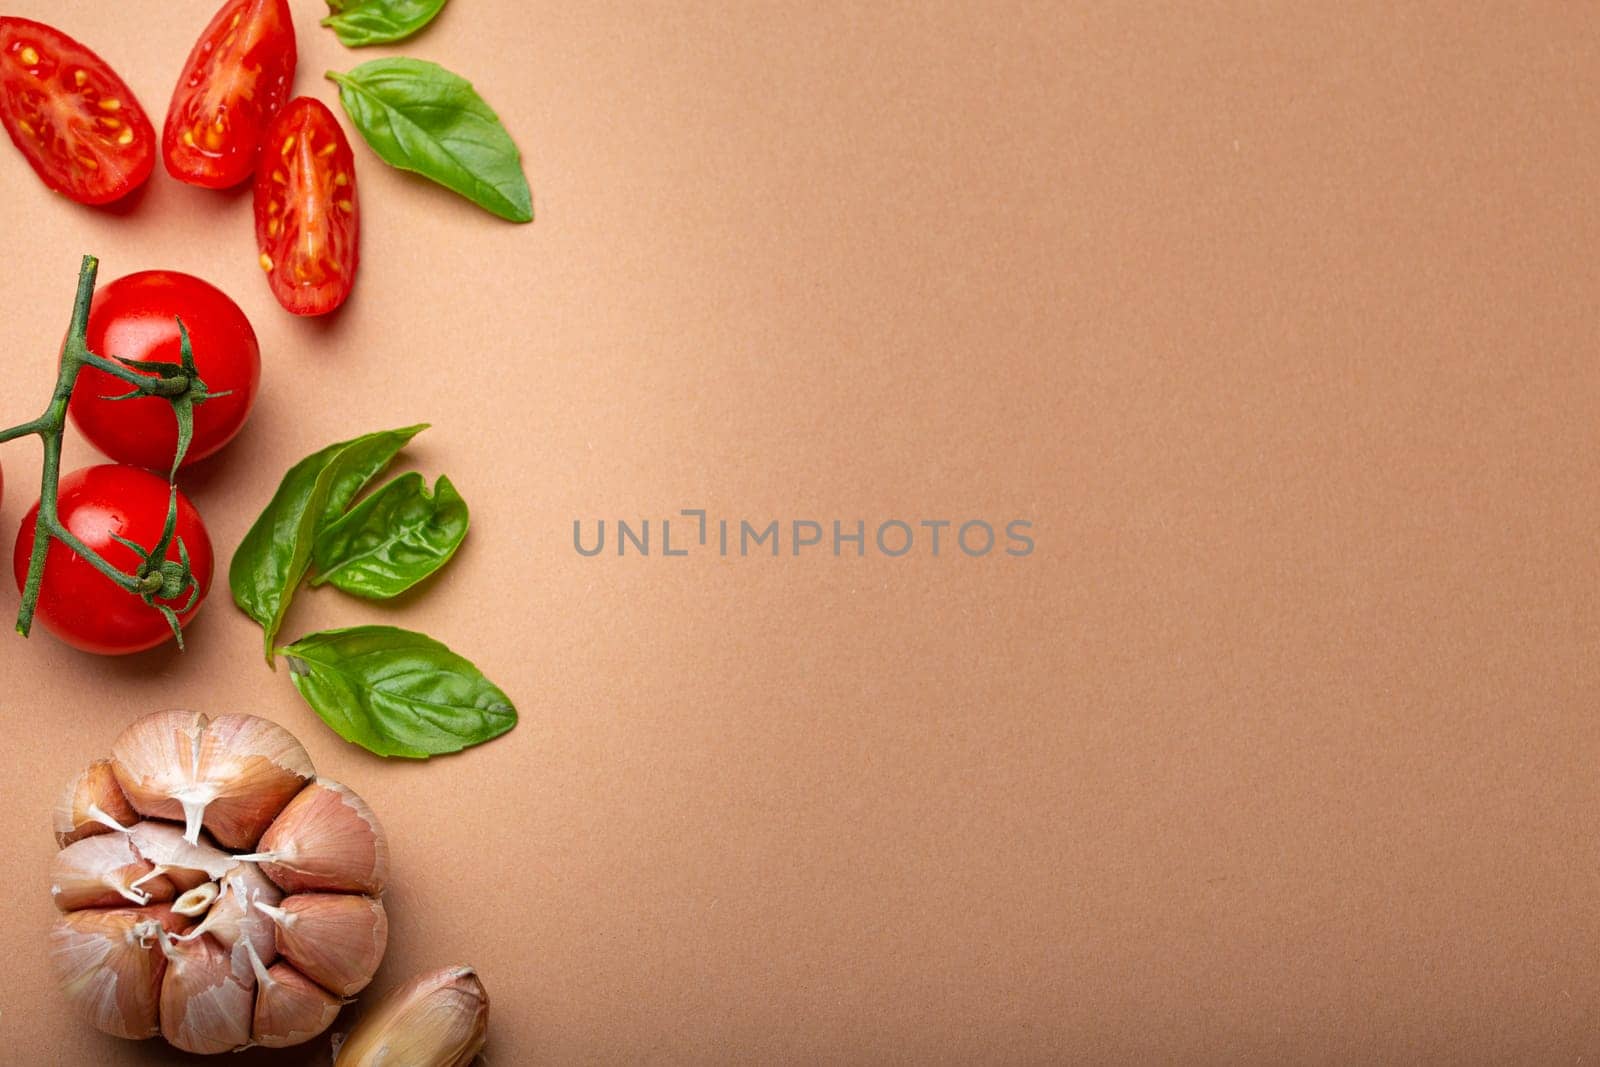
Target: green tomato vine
x,y
157,580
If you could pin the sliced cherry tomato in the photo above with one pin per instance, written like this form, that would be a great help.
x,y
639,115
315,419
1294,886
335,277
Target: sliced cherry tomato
x,y
307,217
79,604
136,317
77,123
236,79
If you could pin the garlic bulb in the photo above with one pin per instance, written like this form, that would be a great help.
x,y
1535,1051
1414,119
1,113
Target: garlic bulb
x,y
172,927
439,1019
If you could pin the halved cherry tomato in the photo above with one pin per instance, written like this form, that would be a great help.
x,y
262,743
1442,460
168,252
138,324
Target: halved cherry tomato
x,y
136,317
237,77
77,123
307,218
79,604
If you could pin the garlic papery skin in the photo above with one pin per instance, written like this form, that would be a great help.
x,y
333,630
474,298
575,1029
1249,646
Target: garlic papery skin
x,y
92,803
252,768
105,871
326,839
440,1019
234,916
187,865
290,1008
110,967
231,776
207,1004
335,939
155,759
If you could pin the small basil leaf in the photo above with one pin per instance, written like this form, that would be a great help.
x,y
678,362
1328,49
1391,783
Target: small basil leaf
x,y
397,693
275,553
420,117
364,22
393,539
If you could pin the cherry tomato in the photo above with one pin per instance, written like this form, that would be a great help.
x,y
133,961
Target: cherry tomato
x,y
136,318
77,123
79,604
236,79
308,222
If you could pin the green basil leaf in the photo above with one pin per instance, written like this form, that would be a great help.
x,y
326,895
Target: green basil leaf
x,y
397,693
364,22
393,539
420,117
275,553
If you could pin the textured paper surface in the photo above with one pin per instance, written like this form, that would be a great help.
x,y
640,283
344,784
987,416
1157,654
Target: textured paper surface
x,y
1277,320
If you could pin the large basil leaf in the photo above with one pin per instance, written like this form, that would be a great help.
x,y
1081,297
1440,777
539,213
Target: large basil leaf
x,y
420,117
393,539
397,693
274,555
364,22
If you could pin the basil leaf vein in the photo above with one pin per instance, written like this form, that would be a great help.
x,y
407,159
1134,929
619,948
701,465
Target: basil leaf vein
x,y
395,692
276,552
419,117
393,539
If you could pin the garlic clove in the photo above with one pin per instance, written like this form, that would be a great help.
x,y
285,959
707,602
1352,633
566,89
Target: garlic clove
x,y
207,996
326,839
440,1019
92,803
336,939
186,865
105,871
155,760
254,767
110,966
290,1008
197,901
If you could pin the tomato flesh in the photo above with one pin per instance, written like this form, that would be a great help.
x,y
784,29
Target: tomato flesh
x,y
80,605
237,77
77,123
136,317
308,221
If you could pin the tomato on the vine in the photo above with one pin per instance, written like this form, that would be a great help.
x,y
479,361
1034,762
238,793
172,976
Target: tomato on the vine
x,y
307,217
136,317
236,78
82,606
76,122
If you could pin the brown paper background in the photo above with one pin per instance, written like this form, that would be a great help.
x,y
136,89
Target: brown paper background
x,y
1277,320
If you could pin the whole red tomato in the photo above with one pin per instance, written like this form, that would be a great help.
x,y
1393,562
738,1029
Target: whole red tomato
x,y
235,80
78,124
136,318
79,604
308,221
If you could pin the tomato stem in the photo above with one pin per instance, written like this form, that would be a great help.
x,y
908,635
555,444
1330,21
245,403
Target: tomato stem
x,y
156,577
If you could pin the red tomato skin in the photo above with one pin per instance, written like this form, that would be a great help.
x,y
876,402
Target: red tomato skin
x,y
308,217
80,605
252,41
135,317
121,147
